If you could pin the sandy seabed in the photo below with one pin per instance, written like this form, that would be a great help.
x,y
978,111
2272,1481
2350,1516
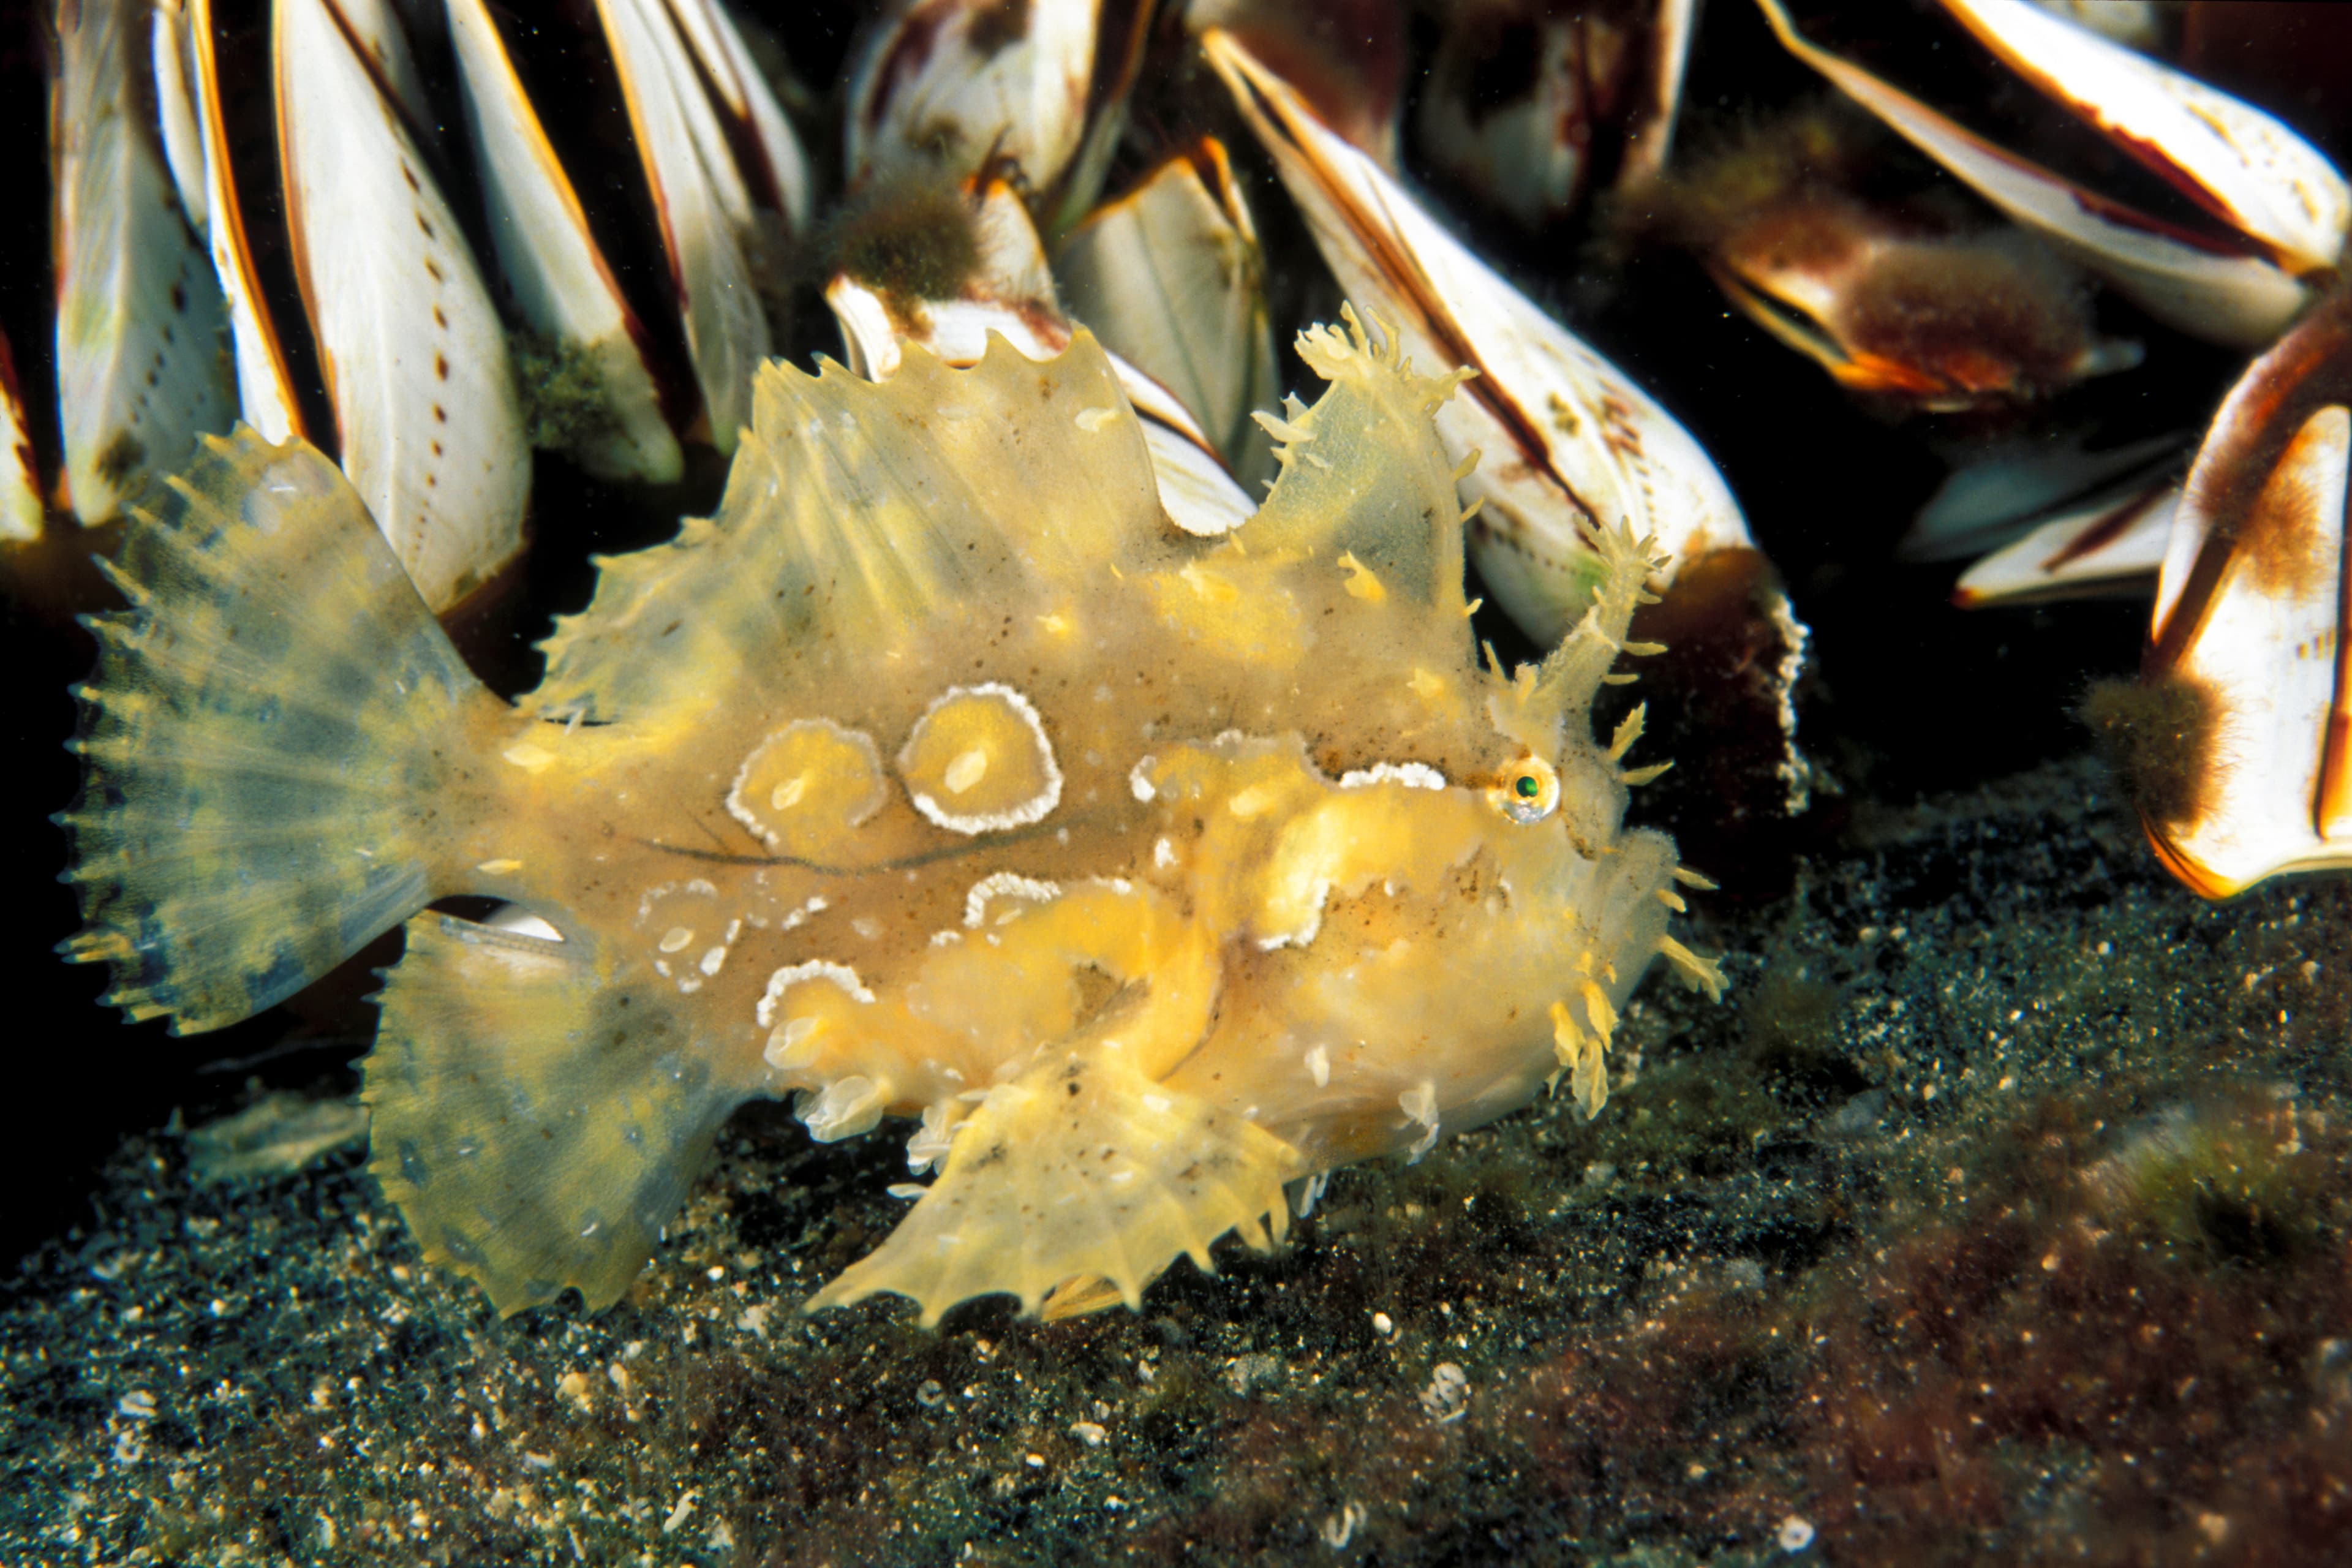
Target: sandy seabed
x,y
2002,1212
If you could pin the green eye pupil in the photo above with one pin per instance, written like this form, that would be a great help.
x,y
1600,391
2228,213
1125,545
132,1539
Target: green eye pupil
x,y
1530,786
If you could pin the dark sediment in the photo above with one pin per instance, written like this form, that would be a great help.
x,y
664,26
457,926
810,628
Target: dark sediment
x,y
2002,1212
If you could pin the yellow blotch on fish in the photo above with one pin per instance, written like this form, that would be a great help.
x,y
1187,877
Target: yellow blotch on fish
x,y
807,789
938,776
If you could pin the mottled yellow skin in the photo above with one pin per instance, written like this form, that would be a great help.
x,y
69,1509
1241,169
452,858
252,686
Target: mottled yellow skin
x,y
939,777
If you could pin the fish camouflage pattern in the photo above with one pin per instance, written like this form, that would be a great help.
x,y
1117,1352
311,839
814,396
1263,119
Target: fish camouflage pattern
x,y
938,776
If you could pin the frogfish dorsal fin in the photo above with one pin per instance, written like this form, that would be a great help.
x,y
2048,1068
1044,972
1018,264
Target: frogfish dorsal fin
x,y
535,1128
1080,1170
855,512
1364,471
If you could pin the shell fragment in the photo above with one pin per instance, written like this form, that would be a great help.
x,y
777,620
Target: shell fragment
x,y
2115,544
1010,293
1996,494
140,314
1170,278
1527,100
717,244
760,140
265,387
2054,521
2262,208
414,356
2246,685
20,480
1568,439
946,87
561,285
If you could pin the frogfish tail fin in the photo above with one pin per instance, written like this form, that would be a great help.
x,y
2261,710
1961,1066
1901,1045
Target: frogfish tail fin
x,y
269,739
536,1129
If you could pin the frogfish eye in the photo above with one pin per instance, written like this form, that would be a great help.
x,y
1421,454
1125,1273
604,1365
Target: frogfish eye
x,y
1528,790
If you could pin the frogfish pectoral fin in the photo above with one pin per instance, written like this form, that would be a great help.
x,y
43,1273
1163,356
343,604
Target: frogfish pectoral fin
x,y
1081,1170
537,1125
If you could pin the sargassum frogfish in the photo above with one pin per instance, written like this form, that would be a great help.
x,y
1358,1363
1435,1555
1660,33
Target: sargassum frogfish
x,y
938,776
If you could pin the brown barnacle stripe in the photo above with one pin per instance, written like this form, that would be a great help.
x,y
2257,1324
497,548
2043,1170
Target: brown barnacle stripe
x,y
2252,523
